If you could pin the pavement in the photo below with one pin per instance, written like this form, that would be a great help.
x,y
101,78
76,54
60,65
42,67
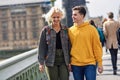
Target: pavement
x,y
107,65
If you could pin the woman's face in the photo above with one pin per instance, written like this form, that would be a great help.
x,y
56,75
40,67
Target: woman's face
x,y
56,18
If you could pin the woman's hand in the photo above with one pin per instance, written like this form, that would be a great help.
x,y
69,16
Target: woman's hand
x,y
69,67
41,68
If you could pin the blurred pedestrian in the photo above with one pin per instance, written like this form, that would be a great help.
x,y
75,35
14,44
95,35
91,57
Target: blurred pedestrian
x,y
104,20
100,31
86,49
53,47
110,28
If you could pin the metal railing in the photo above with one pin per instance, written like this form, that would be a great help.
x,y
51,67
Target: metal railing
x,y
22,67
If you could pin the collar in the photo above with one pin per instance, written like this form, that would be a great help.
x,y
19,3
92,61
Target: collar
x,y
81,25
61,25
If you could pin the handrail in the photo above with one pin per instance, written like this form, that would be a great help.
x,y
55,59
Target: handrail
x,y
15,59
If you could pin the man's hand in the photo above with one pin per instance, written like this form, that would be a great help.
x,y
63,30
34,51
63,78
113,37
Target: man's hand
x,y
100,69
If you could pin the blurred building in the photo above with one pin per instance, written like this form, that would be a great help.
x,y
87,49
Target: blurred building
x,y
97,20
21,22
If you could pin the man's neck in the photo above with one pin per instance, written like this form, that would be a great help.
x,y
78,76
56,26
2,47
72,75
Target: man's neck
x,y
110,19
79,23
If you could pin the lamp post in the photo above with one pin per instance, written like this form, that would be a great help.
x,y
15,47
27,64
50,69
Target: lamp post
x,y
52,1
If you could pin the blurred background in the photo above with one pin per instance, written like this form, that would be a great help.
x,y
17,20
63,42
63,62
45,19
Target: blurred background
x,y
22,20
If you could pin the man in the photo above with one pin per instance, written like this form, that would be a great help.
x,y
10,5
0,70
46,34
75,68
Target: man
x,y
86,49
110,28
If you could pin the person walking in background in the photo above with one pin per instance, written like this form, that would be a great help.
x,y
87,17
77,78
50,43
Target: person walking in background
x,y
101,35
53,47
110,28
118,35
104,20
86,49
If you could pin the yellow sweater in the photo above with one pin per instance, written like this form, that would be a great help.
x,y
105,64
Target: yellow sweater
x,y
86,47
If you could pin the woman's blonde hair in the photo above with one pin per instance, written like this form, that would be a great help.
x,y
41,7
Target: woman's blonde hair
x,y
48,16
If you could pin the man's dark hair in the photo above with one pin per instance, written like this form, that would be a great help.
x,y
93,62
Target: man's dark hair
x,y
110,15
81,9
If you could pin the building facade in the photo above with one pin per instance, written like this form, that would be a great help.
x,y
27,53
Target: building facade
x,y
20,25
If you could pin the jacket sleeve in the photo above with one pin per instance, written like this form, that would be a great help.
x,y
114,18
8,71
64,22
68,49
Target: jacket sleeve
x,y
42,48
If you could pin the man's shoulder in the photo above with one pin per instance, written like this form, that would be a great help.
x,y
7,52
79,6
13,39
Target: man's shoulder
x,y
71,27
91,27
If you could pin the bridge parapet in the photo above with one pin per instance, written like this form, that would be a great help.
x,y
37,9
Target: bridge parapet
x,y
22,67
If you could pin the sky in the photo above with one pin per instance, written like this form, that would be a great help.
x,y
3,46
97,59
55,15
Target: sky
x,y
100,7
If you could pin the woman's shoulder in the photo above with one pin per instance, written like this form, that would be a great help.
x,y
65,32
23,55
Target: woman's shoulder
x,y
64,26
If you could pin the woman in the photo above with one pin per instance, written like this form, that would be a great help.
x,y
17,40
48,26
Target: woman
x,y
53,47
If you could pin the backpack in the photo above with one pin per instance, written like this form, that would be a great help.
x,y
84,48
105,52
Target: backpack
x,y
118,36
102,37
47,32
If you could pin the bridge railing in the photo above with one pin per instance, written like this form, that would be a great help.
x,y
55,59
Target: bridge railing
x,y
22,67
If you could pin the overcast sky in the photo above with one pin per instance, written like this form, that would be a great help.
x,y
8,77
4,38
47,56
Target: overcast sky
x,y
100,7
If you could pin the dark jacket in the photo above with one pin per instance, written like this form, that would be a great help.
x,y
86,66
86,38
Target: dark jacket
x,y
47,48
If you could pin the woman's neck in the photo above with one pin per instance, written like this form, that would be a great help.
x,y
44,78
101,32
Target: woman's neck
x,y
56,27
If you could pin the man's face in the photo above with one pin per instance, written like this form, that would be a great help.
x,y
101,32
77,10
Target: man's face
x,y
76,16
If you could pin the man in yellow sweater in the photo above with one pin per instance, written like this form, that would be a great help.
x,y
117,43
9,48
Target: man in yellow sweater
x,y
86,49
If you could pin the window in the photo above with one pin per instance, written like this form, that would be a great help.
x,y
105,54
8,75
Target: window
x,y
20,35
14,24
4,30
4,12
34,10
19,24
35,35
4,25
14,36
24,24
34,23
25,35
18,11
5,36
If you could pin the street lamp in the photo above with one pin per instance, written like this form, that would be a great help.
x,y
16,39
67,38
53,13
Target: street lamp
x,y
52,1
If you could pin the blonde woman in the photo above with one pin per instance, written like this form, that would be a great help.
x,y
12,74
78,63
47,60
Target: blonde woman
x,y
53,47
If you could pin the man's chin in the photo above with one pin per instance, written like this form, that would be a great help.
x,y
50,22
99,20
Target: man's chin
x,y
74,21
